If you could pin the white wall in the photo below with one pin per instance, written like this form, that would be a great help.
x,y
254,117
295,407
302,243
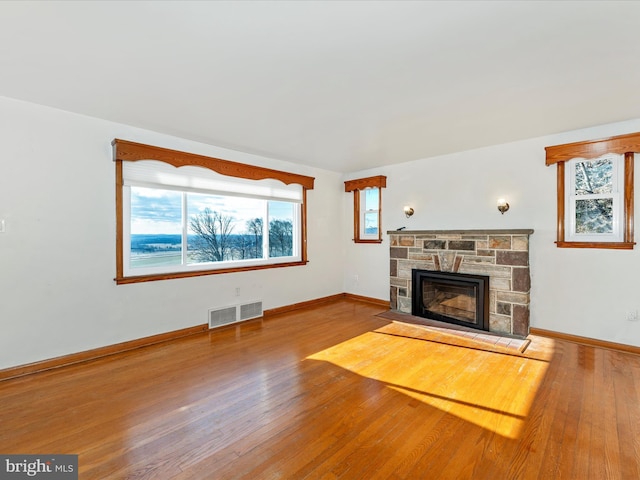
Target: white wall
x,y
57,255
586,292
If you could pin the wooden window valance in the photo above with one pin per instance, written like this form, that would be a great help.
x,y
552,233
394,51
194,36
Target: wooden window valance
x,y
379,181
621,144
131,151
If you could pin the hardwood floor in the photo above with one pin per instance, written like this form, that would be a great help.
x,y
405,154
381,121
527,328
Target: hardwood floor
x,y
320,394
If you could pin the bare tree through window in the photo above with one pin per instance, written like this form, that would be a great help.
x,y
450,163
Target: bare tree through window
x,y
213,235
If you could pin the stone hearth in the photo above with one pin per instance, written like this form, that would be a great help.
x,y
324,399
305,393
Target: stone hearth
x,y
503,255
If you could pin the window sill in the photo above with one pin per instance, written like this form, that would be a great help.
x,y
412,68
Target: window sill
x,y
200,273
366,241
603,245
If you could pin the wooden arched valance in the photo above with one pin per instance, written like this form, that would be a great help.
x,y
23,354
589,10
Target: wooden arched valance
x,y
130,151
379,181
621,144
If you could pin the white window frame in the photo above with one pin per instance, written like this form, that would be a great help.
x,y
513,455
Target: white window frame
x,y
363,214
617,196
222,265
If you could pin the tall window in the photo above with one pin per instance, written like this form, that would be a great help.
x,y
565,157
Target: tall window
x,y
184,218
595,192
367,208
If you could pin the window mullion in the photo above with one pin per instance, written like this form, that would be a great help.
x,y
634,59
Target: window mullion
x,y
265,231
185,229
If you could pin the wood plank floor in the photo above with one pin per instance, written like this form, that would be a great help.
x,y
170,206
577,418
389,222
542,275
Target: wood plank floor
x,y
320,394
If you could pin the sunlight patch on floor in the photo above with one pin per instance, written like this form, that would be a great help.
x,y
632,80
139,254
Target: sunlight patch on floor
x,y
494,391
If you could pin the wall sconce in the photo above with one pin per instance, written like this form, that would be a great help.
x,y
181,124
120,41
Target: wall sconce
x,y
408,211
503,206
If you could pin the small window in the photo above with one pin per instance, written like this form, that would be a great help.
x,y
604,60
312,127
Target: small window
x,y
595,192
180,214
367,208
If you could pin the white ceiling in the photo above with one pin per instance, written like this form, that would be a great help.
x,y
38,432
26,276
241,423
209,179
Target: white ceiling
x,y
341,85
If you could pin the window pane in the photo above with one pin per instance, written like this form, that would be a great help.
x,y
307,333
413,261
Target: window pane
x,y
247,238
281,220
156,226
594,177
371,223
371,196
594,216
224,228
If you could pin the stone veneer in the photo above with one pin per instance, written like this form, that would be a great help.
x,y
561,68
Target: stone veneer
x,y
503,255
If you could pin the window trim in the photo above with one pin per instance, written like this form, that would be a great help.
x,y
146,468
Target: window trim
x,y
356,186
126,151
592,149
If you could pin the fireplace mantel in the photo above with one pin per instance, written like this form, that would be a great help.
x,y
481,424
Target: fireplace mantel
x,y
521,231
503,255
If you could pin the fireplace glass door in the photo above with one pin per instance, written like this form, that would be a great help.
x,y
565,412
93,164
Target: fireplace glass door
x,y
456,298
455,301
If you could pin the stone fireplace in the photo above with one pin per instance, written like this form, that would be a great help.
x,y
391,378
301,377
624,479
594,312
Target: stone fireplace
x,y
502,255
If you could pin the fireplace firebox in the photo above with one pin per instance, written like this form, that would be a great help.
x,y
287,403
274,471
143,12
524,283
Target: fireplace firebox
x,y
457,298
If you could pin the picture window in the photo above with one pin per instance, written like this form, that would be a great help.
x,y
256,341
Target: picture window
x,y
180,214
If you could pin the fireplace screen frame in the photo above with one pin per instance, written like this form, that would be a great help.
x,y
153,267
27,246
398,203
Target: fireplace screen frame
x,y
480,283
